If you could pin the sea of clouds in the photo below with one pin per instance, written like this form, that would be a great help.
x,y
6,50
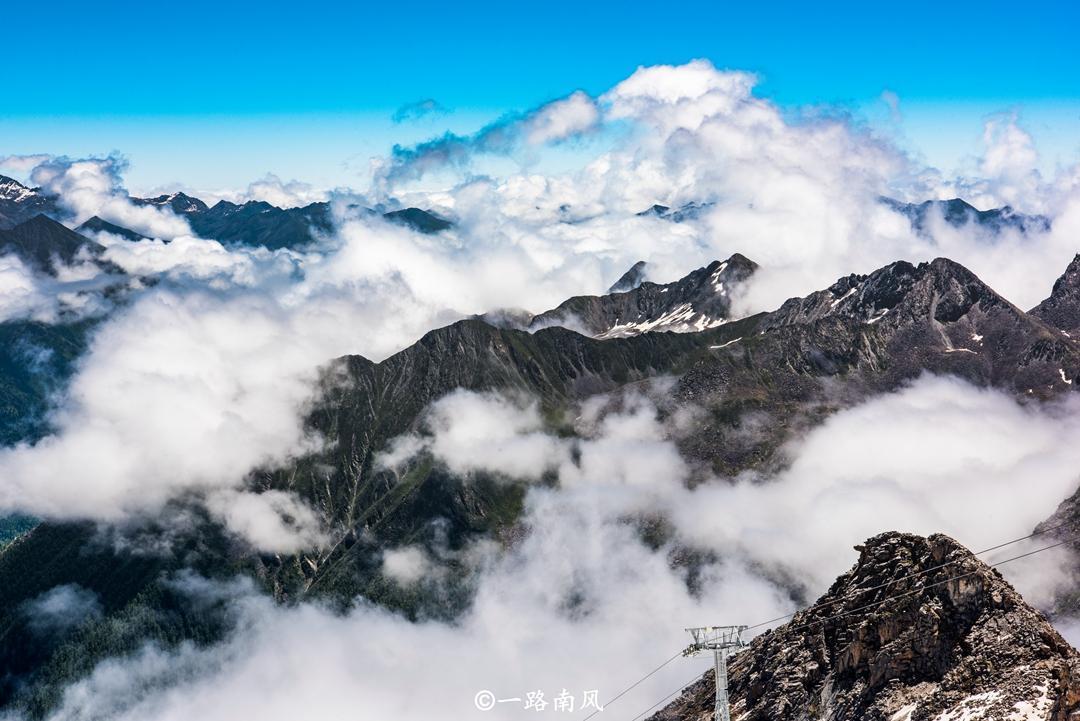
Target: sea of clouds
x,y
203,375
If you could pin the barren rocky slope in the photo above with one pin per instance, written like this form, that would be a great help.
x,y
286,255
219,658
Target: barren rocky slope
x,y
918,630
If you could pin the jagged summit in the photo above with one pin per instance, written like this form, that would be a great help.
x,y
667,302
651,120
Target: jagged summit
x,y
1062,308
655,209
918,630
19,203
904,319
687,211
942,290
179,203
13,190
696,302
630,279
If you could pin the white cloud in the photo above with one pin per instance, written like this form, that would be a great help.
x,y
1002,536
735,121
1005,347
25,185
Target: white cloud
x,y
22,163
75,292
856,475
291,194
561,119
92,186
61,608
483,432
939,456
800,197
407,565
21,294
180,392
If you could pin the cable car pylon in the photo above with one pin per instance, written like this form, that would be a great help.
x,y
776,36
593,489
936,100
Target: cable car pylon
x,y
723,641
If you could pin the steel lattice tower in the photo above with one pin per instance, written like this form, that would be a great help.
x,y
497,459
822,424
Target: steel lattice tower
x,y
723,641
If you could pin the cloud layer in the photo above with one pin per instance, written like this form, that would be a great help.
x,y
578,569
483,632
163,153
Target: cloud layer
x,y
584,601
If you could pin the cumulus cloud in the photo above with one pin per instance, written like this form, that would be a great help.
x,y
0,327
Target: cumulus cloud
x,y
291,194
187,256
853,477
482,432
797,192
21,295
179,393
407,565
22,163
799,196
549,614
938,456
76,291
93,186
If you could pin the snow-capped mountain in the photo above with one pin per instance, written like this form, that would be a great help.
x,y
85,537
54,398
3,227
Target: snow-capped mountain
x,y
179,203
18,203
696,302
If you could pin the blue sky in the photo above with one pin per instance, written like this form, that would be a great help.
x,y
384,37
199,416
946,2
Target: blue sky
x,y
216,94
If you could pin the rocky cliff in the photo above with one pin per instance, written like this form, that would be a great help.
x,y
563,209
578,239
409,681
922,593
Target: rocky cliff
x,y
918,630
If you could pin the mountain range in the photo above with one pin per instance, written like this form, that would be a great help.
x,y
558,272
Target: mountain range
x,y
253,223
789,370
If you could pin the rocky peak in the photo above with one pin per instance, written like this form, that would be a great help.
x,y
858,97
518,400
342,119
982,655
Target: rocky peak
x,y
179,203
687,211
941,290
655,209
13,190
18,203
696,302
1062,308
918,630
630,279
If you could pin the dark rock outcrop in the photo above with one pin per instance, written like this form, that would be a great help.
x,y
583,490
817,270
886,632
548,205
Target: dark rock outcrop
x,y
920,629
1062,308
630,279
